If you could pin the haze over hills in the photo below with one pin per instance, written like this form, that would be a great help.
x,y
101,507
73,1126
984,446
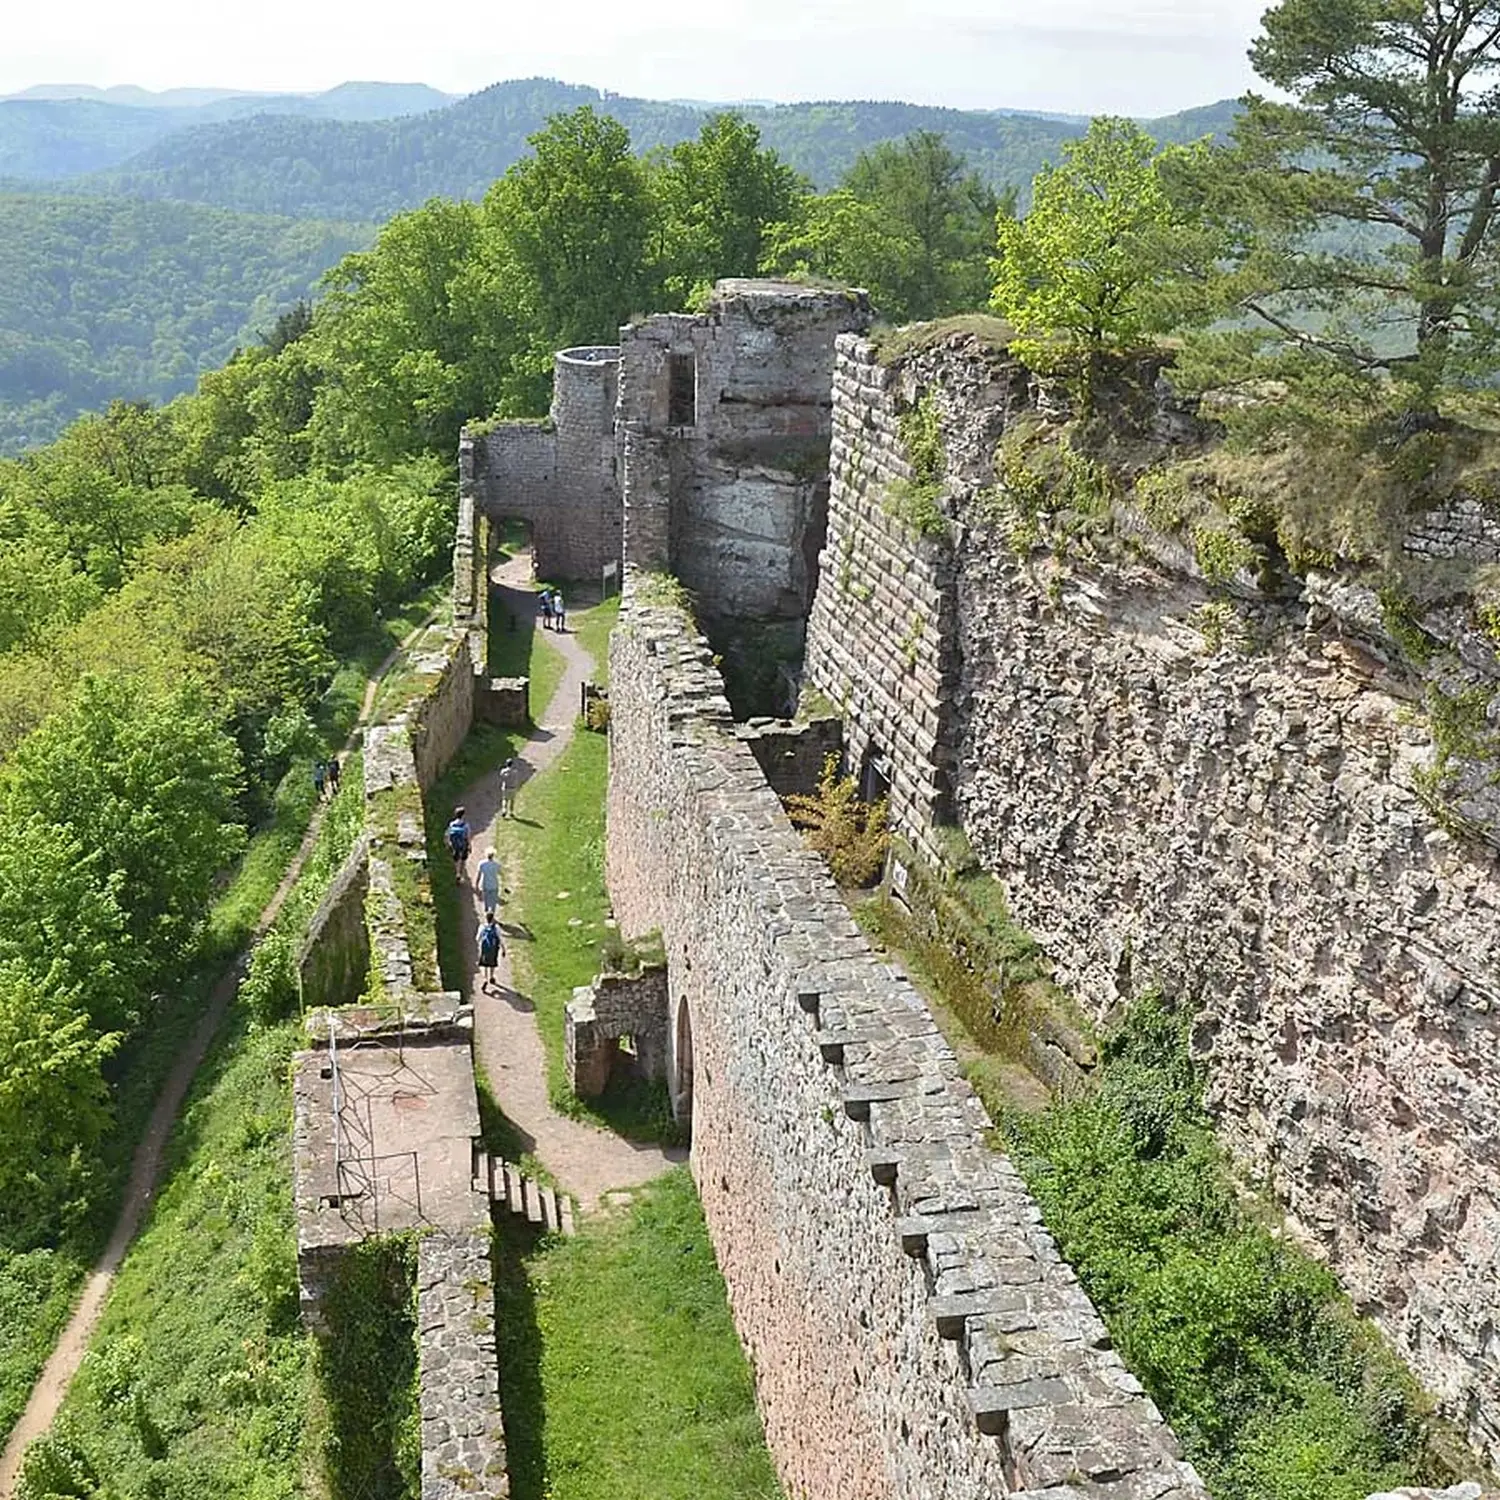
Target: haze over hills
x,y
145,234
59,131
279,164
347,101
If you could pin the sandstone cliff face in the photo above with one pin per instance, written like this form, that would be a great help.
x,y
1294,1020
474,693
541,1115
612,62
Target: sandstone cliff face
x,y
1241,827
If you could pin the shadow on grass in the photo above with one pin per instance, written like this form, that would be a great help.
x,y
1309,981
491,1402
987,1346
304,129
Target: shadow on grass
x,y
640,1109
512,626
503,1138
367,1363
518,1339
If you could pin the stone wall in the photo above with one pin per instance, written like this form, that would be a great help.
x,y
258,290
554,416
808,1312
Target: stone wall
x,y
792,754
335,954
741,466
612,1007
558,475
912,1328
463,1433
880,640
1245,827
441,719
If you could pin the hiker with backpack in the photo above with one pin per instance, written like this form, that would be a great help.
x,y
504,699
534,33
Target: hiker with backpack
x,y
320,775
333,776
457,836
545,604
491,946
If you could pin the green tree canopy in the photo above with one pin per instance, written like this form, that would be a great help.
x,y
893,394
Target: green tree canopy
x,y
1098,263
396,342
573,222
715,196
1364,207
910,223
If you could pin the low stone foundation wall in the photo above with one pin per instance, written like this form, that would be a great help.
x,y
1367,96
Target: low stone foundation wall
x,y
601,1013
463,1433
791,754
912,1327
504,701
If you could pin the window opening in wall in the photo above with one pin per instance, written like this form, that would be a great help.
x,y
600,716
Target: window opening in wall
x,y
874,773
682,390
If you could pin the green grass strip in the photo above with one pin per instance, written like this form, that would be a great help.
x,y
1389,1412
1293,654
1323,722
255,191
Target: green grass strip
x,y
198,1377
621,1374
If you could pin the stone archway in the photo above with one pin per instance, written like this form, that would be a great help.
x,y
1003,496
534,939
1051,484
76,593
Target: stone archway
x,y
681,1085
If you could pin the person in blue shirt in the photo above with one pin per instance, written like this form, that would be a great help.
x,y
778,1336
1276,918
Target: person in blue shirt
x,y
489,881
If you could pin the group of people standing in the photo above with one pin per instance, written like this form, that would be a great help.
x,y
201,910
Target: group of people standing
x,y
326,778
554,611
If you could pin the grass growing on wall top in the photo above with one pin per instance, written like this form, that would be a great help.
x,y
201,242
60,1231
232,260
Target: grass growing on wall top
x,y
621,1374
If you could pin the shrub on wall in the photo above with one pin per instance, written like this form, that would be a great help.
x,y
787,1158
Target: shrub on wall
x,y
849,833
1276,1388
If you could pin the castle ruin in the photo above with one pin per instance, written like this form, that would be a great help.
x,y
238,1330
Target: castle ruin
x,y
1241,829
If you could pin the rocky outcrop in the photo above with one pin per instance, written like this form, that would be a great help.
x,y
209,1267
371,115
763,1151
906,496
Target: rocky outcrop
x,y
1223,794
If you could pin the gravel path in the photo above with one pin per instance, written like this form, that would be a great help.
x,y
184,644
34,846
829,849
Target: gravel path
x,y
586,1161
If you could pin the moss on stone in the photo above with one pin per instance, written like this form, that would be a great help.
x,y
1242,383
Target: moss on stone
x,y
892,345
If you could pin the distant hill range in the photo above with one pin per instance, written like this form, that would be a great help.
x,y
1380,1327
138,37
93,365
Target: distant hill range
x,y
366,151
144,235
57,131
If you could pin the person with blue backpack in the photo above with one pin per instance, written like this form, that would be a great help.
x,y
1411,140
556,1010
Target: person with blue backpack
x,y
457,836
491,946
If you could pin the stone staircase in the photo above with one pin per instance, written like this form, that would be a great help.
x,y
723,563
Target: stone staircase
x,y
525,1197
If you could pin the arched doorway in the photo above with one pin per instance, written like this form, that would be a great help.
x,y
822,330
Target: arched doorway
x,y
682,1065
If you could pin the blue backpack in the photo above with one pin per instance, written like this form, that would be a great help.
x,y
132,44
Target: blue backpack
x,y
489,945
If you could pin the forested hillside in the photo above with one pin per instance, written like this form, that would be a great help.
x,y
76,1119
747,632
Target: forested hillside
x,y
113,287
48,138
278,164
104,298
50,135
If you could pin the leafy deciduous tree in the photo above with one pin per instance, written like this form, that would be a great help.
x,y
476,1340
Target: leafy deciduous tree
x,y
715,197
1099,261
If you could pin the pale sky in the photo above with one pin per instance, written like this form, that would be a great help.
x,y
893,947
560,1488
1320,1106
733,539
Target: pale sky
x,y
1138,57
